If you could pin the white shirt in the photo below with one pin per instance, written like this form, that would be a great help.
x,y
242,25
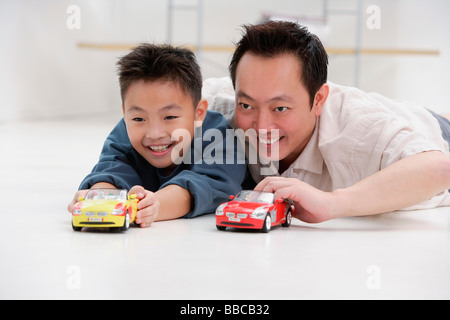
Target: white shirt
x,y
357,135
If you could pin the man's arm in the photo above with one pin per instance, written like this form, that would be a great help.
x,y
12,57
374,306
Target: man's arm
x,y
403,184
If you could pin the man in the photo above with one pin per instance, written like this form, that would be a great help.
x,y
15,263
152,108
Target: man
x,y
341,152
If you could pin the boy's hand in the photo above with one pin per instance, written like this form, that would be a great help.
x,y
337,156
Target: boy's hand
x,y
80,193
148,206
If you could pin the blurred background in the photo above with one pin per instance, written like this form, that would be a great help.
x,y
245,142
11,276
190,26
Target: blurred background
x,y
57,58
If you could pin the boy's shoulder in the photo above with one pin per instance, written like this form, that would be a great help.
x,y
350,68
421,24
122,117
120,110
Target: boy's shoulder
x,y
215,120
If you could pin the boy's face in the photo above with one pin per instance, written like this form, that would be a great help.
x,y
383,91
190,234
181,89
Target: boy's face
x,y
153,110
270,95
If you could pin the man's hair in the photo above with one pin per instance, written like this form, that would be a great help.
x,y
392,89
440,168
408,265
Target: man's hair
x,y
150,62
273,38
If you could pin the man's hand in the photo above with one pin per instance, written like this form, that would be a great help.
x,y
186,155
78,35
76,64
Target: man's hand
x,y
405,183
148,206
311,205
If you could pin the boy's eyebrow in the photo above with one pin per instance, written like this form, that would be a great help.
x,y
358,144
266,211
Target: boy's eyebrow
x,y
135,108
169,107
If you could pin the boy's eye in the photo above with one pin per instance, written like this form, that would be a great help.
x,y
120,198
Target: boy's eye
x,y
137,119
170,117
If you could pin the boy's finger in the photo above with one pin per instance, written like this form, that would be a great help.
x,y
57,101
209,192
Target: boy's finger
x,y
139,191
146,216
80,193
147,201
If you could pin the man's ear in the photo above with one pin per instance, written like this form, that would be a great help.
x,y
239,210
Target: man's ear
x,y
200,112
320,98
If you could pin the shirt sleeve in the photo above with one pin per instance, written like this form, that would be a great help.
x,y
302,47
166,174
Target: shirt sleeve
x,y
117,163
363,134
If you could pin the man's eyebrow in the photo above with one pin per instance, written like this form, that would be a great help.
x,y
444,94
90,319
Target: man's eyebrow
x,y
241,94
282,97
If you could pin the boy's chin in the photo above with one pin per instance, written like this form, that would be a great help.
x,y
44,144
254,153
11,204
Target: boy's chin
x,y
166,167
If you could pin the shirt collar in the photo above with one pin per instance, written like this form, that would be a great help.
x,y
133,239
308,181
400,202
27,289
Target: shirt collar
x,y
311,158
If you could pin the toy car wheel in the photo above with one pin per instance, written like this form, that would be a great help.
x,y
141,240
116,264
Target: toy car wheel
x,y
126,223
267,224
76,228
221,228
288,221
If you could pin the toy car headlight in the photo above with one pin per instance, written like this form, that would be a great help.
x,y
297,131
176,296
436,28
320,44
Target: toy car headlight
x,y
117,212
219,210
76,212
259,213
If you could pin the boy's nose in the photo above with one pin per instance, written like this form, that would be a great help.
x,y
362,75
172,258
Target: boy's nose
x,y
155,132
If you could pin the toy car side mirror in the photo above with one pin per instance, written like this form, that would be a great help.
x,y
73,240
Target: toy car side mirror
x,y
132,196
231,197
279,201
80,199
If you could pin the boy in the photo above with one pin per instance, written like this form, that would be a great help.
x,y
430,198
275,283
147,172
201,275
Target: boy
x,y
150,151
342,152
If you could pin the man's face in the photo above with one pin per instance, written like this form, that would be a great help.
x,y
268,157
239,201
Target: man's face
x,y
270,95
153,110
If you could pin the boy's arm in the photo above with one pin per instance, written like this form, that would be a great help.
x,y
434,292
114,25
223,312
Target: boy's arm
x,y
114,166
175,202
405,183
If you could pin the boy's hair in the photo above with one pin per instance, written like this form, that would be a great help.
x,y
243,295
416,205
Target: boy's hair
x,y
272,38
150,62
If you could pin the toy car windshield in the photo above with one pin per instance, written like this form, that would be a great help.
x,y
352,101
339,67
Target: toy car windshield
x,y
107,194
255,196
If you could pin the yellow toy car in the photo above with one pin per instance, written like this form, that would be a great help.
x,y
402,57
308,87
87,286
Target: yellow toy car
x,y
105,208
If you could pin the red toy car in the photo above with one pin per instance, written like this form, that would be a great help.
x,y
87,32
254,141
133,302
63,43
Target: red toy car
x,y
254,210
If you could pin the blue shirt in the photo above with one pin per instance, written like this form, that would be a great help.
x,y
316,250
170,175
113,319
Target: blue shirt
x,y
211,176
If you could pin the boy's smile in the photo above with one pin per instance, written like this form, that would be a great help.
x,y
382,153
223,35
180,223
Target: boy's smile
x,y
153,110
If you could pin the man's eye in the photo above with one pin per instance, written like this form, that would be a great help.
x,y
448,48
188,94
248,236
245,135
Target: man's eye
x,y
281,109
245,106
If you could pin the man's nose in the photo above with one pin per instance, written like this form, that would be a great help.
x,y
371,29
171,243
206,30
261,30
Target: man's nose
x,y
264,121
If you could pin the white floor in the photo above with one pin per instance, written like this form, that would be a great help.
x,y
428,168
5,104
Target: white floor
x,y
402,255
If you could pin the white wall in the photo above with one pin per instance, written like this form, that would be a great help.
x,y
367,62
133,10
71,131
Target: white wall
x,y
43,74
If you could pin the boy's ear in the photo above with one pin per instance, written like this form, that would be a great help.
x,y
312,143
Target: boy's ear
x,y
200,112
320,98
